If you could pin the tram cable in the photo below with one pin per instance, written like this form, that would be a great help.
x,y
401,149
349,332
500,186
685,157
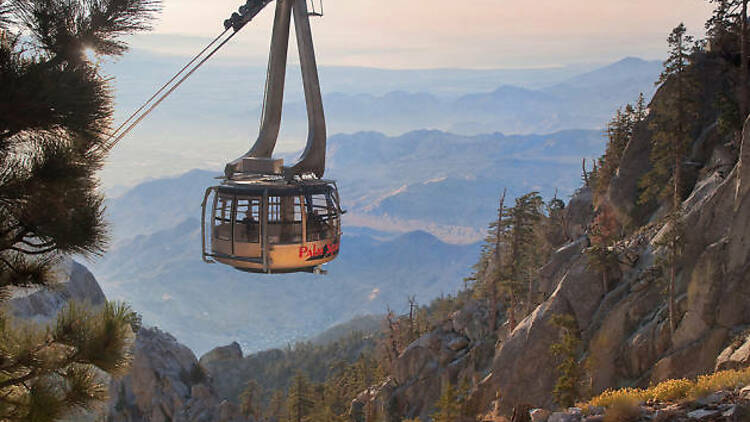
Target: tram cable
x,y
147,102
164,96
266,217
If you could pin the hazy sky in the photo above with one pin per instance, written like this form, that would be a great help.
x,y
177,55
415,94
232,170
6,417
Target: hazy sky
x,y
447,33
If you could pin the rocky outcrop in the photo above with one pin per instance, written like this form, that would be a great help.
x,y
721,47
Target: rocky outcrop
x,y
228,369
458,352
166,383
578,213
625,330
717,406
622,193
736,355
74,284
517,380
626,338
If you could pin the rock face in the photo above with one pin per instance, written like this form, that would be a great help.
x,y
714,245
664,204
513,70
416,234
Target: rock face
x,y
75,283
459,351
624,325
719,406
579,213
228,369
622,193
625,329
735,356
166,383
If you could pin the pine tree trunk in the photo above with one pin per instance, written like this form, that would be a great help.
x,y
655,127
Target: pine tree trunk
x,y
605,281
529,296
672,277
493,308
498,265
512,312
744,65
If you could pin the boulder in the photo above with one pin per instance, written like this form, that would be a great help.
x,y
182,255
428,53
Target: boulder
x,y
622,193
165,383
564,417
579,213
471,321
222,353
458,343
702,414
578,293
735,356
539,415
713,399
736,413
75,284
550,273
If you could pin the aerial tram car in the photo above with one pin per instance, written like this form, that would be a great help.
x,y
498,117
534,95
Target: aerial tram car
x,y
263,216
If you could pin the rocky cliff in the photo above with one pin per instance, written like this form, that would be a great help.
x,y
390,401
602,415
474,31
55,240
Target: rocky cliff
x,y
165,381
75,283
624,324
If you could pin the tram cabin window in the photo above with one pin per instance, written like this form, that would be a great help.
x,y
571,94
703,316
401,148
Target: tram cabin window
x,y
247,220
222,218
321,217
284,219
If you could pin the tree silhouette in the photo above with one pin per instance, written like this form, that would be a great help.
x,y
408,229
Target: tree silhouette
x,y
301,402
674,115
55,111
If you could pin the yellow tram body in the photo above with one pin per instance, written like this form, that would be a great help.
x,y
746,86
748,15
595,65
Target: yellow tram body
x,y
272,227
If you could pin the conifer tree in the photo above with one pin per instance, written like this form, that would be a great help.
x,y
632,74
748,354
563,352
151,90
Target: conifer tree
x,y
604,231
55,111
301,401
730,18
250,400
743,91
619,132
568,386
727,31
487,286
520,225
722,20
674,116
517,244
448,407
276,411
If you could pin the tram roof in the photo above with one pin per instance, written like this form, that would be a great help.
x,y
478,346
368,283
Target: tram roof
x,y
277,186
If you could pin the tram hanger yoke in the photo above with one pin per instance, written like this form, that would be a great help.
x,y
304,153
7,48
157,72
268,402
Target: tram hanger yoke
x,y
259,160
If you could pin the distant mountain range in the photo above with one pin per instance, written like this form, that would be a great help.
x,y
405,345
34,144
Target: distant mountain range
x,y
417,202
395,189
424,180
162,276
585,101
214,117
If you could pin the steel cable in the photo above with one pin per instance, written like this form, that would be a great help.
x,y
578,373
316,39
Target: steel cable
x,y
118,134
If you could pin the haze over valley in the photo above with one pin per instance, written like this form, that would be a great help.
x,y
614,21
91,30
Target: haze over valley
x,y
418,200
214,117
490,212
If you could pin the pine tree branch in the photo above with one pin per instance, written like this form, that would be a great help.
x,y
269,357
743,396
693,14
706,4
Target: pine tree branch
x,y
19,381
10,230
38,245
27,252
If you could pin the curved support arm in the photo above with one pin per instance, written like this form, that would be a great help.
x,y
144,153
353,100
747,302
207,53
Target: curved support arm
x,y
313,159
274,92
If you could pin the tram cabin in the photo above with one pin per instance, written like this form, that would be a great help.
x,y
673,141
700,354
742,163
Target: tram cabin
x,y
272,227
